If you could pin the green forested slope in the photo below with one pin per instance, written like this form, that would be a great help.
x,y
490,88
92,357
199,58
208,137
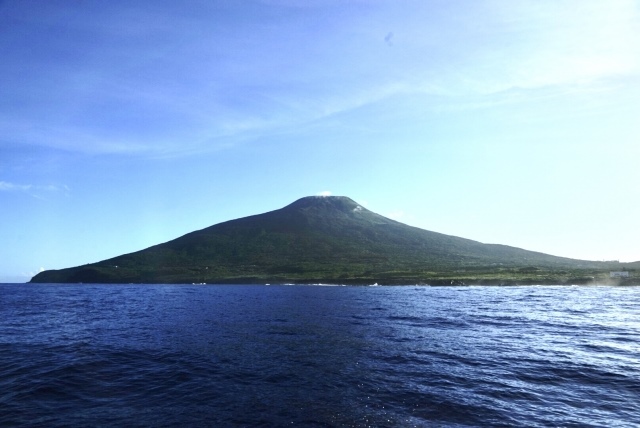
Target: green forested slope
x,y
327,239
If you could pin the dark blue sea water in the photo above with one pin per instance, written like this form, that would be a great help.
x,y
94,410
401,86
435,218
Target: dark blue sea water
x,y
182,355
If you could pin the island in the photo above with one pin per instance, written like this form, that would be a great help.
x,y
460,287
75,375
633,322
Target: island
x,y
334,240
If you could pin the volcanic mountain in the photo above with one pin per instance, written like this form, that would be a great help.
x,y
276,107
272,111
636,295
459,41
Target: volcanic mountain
x,y
328,239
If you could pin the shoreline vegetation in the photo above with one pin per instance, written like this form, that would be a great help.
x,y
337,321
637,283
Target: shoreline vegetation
x,y
504,277
335,240
437,283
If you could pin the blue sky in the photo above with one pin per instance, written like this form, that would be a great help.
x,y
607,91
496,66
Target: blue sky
x,y
126,124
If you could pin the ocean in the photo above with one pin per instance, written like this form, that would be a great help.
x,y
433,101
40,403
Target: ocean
x,y
321,356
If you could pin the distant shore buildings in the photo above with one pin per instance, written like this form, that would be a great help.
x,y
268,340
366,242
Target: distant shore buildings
x,y
619,274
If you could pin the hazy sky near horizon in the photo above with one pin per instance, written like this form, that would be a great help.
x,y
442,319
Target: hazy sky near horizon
x,y
126,124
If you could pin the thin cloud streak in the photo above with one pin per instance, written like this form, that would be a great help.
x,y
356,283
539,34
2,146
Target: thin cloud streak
x,y
13,187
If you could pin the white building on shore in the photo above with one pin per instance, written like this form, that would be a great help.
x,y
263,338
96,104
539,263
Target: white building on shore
x,y
619,274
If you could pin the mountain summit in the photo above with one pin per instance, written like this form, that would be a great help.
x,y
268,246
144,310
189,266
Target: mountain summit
x,y
325,239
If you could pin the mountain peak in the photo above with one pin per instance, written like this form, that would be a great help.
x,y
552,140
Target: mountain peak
x,y
341,203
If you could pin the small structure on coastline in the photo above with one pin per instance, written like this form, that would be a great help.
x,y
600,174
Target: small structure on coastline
x,y
619,274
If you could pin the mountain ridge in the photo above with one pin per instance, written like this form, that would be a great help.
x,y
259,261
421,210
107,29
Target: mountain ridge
x,y
329,239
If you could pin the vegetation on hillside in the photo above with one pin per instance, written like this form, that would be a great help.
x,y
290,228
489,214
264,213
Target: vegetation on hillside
x,y
331,240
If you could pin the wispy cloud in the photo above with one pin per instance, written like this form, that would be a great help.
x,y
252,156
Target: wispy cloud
x,y
25,276
324,193
33,189
5,186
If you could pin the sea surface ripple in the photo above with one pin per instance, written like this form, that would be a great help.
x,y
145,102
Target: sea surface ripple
x,y
183,355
